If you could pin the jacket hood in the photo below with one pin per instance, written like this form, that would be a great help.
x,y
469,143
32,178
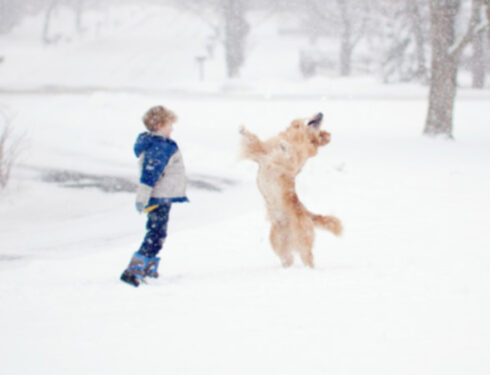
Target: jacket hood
x,y
145,141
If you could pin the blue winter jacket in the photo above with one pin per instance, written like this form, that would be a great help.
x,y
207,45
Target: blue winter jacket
x,y
162,168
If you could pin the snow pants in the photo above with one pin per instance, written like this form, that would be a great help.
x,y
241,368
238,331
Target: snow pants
x,y
156,231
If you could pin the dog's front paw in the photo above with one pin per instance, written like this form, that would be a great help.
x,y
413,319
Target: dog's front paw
x,y
246,135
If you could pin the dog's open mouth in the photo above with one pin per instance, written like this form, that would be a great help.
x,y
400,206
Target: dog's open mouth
x,y
318,137
316,121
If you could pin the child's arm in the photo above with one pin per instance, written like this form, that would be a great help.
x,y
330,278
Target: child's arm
x,y
155,160
143,195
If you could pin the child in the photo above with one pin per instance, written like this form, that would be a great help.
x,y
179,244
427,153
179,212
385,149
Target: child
x,y
162,183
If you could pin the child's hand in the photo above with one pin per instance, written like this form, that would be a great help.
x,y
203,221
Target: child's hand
x,y
242,130
143,195
140,207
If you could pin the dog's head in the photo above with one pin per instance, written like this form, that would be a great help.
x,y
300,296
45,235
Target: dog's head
x,y
308,134
317,137
299,142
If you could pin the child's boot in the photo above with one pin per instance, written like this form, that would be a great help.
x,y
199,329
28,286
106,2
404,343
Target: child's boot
x,y
152,267
136,270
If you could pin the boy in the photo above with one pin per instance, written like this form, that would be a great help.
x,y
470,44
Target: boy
x,y
162,183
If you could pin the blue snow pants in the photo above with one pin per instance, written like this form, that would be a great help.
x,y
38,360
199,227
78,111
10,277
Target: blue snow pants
x,y
156,231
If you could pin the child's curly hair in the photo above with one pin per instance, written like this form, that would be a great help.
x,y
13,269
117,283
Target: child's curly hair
x,y
158,116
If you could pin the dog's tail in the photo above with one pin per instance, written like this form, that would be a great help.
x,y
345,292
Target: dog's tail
x,y
330,223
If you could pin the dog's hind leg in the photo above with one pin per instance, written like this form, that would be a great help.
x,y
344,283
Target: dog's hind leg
x,y
307,258
280,243
306,237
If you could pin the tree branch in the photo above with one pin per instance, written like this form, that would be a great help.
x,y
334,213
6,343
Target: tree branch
x,y
487,3
361,33
323,13
474,27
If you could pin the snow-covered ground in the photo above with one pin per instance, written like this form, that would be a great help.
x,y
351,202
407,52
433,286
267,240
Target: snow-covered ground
x,y
404,291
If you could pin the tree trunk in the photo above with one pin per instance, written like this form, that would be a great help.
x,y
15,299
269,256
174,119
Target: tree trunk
x,y
487,3
345,57
47,18
414,12
345,40
444,69
445,58
78,16
236,29
478,59
441,98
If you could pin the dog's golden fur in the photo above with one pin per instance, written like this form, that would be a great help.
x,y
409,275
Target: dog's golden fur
x,y
280,159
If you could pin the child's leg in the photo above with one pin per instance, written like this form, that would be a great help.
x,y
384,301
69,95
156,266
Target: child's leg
x,y
144,262
136,270
156,227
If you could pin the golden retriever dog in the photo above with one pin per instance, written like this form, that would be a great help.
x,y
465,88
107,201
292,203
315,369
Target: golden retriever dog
x,y
280,159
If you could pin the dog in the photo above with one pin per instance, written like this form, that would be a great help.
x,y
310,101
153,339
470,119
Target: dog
x,y
280,160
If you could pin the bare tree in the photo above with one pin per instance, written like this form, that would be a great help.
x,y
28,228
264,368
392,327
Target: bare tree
x,y
487,4
78,7
9,15
346,42
416,18
346,19
228,25
236,30
486,11
478,58
402,26
446,51
12,12
9,152
51,6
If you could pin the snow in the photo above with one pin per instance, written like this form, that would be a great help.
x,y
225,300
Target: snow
x,y
404,290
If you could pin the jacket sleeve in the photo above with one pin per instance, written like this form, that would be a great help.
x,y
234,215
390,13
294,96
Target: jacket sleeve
x,y
155,160
143,194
